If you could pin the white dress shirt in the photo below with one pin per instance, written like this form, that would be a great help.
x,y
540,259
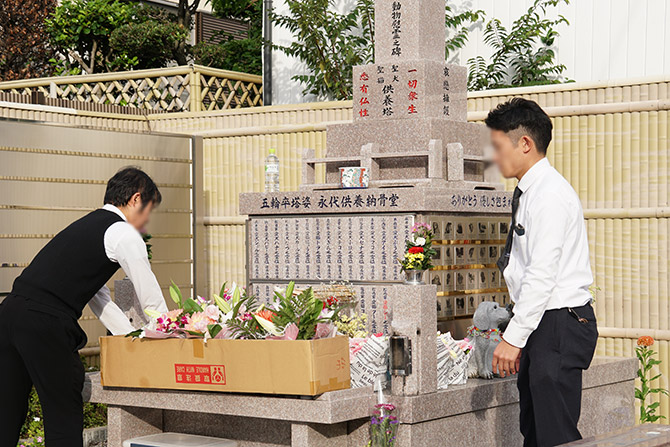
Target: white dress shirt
x,y
124,245
549,264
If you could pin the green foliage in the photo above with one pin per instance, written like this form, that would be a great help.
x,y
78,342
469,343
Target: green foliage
x,y
94,36
242,324
327,42
228,51
243,55
152,43
458,28
80,31
190,306
647,362
330,43
304,309
522,55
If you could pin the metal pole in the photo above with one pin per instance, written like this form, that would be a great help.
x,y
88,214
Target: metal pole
x,y
267,53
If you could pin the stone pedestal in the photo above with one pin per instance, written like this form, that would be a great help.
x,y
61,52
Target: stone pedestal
x,y
481,413
306,435
130,422
415,316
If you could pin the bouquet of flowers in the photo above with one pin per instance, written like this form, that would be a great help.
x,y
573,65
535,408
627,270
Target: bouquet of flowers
x,y
234,314
419,249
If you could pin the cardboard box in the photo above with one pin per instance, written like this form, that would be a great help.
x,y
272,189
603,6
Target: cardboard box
x,y
296,367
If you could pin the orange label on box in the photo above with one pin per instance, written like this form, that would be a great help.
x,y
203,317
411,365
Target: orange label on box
x,y
208,374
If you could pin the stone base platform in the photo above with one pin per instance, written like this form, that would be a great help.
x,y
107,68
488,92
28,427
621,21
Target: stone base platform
x,y
646,435
480,413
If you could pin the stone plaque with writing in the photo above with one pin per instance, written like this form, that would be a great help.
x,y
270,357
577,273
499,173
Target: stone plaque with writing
x,y
327,248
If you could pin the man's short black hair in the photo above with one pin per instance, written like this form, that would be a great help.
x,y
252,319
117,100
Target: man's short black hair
x,y
520,113
126,183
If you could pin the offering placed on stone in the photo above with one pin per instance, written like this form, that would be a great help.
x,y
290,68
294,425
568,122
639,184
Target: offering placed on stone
x,y
452,360
353,177
369,360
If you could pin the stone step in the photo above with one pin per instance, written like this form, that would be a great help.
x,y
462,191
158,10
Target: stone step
x,y
647,435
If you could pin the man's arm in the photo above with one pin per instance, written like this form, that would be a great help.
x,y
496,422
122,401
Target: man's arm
x,y
109,313
131,253
549,220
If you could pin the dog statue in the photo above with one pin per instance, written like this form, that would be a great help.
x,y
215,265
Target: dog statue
x,y
485,336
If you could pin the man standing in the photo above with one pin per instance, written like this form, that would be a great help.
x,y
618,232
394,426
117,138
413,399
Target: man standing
x,y
552,335
39,333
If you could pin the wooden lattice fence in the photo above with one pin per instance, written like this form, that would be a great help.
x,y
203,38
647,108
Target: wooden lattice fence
x,y
191,88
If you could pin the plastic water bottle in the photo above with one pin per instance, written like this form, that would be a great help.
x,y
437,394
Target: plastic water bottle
x,y
272,172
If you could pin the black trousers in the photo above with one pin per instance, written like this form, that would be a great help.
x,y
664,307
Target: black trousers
x,y
39,346
550,376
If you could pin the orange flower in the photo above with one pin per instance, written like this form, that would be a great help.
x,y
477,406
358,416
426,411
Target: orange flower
x,y
645,340
267,314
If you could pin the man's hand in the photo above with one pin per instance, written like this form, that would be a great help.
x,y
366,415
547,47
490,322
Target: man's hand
x,y
506,359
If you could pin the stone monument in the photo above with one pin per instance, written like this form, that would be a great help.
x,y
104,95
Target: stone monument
x,y
426,164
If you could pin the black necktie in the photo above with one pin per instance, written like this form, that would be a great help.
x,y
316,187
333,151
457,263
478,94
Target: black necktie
x,y
504,259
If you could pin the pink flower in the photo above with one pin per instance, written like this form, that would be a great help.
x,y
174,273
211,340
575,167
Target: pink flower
x,y
420,226
197,322
387,407
212,312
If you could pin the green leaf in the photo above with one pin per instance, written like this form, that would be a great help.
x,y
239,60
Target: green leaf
x,y
289,289
223,289
197,334
175,294
214,329
136,333
191,306
236,295
223,304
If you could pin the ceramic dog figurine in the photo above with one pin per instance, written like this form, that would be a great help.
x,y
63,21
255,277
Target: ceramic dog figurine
x,y
485,336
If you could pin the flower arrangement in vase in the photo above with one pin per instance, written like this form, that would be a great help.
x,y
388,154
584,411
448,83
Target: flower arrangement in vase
x,y
419,253
235,314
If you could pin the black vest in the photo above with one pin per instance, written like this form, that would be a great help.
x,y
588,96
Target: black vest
x,y
72,267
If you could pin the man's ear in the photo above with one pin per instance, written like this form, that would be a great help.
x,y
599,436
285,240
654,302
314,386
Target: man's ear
x,y
527,144
135,199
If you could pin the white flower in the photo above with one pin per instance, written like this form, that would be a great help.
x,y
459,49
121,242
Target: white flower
x,y
420,241
36,419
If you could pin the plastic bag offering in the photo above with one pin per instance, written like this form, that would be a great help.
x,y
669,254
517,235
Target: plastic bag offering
x,y
369,360
452,360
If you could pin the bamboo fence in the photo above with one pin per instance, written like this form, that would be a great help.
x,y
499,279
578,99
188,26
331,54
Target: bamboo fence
x,y
610,142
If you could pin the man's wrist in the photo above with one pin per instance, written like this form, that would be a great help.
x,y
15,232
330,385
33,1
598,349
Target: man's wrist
x,y
514,335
